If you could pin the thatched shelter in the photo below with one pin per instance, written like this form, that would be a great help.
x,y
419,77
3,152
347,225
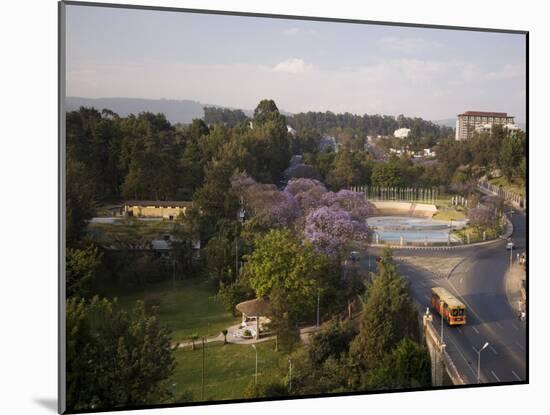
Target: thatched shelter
x,y
254,311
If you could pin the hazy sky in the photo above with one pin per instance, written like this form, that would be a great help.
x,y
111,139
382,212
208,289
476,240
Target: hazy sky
x,y
303,65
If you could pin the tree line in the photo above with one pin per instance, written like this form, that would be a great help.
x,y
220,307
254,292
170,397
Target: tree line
x,y
363,125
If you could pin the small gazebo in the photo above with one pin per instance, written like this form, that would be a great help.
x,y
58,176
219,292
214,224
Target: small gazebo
x,y
254,313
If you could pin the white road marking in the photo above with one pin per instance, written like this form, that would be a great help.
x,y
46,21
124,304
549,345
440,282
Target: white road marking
x,y
459,330
498,324
516,375
468,364
514,326
476,330
493,349
496,377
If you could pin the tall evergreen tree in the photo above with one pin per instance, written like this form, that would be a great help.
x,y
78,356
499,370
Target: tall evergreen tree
x,y
389,315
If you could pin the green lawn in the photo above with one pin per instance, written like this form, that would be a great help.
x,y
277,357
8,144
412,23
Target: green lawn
x,y
515,185
189,308
443,200
130,229
474,235
228,369
448,215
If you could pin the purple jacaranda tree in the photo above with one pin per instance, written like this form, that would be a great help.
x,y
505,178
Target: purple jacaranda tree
x,y
493,203
265,203
329,229
301,185
329,220
482,217
350,201
308,193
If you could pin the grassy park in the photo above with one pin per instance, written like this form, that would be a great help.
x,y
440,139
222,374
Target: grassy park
x,y
447,215
515,185
229,369
129,229
188,308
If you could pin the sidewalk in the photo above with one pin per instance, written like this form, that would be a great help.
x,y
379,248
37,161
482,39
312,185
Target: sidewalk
x,y
515,291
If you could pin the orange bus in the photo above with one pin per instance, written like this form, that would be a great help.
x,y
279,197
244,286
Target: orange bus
x,y
448,306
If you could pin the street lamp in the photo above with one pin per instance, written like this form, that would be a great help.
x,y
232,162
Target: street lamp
x,y
256,375
289,375
479,359
442,317
318,301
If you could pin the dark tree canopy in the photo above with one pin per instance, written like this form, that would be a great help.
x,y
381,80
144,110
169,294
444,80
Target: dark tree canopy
x,y
115,358
389,315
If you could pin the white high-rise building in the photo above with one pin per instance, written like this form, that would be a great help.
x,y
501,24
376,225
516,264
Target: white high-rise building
x,y
471,121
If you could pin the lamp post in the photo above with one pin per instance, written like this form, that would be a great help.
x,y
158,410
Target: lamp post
x,y
256,374
289,375
318,301
202,388
236,258
442,317
511,253
479,359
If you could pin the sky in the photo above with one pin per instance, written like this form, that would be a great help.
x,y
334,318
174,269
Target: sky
x,y
237,61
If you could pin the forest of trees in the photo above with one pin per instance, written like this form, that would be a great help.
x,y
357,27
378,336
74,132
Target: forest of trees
x,y
363,125
293,239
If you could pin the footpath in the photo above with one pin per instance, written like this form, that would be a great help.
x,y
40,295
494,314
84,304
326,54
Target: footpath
x,y
515,287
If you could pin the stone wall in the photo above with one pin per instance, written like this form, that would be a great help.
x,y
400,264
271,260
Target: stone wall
x,y
444,372
392,208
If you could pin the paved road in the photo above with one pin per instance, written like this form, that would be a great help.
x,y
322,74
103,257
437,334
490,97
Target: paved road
x,y
477,276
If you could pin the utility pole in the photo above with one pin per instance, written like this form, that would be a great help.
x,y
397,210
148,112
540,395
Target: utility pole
x,y
289,375
479,360
256,373
236,258
202,392
442,316
174,274
318,301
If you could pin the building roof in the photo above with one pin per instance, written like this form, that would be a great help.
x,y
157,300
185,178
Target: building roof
x,y
485,114
256,307
160,203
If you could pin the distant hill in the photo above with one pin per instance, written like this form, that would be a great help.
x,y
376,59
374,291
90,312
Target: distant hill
x,y
176,111
447,122
183,111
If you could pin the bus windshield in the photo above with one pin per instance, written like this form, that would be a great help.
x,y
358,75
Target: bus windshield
x,y
457,312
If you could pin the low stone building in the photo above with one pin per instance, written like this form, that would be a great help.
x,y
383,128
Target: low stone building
x,y
167,209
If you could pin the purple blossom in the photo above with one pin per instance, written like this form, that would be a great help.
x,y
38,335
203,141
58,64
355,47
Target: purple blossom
x,y
353,202
330,229
265,202
241,181
283,210
301,185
